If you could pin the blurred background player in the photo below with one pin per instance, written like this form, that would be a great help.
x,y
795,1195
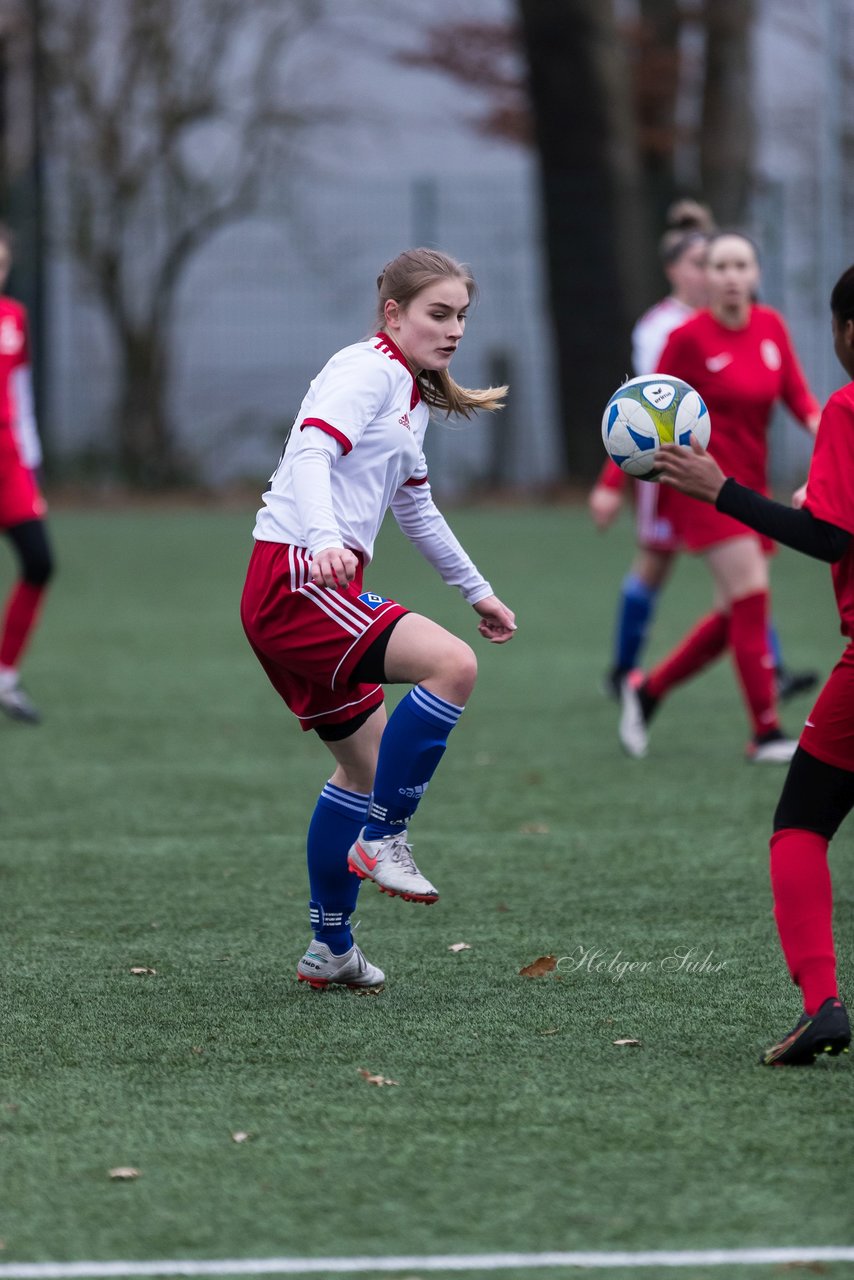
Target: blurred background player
x,y
682,252
328,645
739,357
818,793
22,507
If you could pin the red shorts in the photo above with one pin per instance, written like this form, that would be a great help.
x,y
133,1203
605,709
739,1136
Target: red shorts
x,y
655,531
309,638
829,730
20,499
699,525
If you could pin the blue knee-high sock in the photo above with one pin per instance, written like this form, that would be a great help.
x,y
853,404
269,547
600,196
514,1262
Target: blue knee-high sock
x,y
412,745
774,647
634,614
338,818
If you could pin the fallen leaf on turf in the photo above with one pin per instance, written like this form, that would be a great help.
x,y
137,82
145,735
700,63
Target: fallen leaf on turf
x,y
634,1044
144,971
240,1135
552,1031
539,967
372,1079
459,946
535,828
196,1048
124,1173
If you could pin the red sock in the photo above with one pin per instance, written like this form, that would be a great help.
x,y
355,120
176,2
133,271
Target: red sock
x,y
22,611
701,646
748,638
803,909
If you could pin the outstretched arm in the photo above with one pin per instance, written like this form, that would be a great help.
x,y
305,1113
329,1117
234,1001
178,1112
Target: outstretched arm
x,y
696,473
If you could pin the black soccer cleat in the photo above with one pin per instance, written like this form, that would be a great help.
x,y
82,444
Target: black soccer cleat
x,y
791,683
827,1031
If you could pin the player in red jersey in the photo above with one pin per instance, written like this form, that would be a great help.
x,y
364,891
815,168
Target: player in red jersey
x,y
738,356
819,789
327,644
22,507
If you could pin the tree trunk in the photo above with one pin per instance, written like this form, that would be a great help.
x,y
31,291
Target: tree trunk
x,y
599,251
148,455
656,94
726,147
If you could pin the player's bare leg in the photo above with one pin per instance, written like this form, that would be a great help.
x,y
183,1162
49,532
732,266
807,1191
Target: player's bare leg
x,y
442,669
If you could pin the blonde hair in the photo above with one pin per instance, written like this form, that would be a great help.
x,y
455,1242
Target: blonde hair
x,y
403,279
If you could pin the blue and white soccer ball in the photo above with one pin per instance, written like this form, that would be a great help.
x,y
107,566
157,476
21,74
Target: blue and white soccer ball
x,y
648,411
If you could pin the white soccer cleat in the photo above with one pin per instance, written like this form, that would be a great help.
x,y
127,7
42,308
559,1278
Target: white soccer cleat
x,y
320,967
633,727
389,863
18,705
774,751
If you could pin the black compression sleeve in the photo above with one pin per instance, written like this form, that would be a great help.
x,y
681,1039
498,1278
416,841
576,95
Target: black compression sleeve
x,y
798,529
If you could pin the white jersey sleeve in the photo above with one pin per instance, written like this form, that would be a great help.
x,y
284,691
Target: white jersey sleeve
x,y
315,453
426,528
24,417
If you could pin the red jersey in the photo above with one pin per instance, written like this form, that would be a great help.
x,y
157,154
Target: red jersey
x,y
830,490
20,451
740,373
14,352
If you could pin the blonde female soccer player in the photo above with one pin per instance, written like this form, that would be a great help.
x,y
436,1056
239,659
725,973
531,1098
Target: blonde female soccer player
x,y
326,642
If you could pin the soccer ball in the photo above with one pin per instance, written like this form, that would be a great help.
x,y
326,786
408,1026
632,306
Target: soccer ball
x,y
646,412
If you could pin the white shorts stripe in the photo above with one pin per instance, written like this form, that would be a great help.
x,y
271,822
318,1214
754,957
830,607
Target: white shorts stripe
x,y
348,607
326,602
345,706
299,562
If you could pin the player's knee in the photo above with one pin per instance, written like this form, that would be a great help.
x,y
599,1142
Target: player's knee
x,y
38,566
457,670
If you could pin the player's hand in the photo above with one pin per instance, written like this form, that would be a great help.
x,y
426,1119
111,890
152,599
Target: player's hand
x,y
799,497
497,622
334,567
692,471
604,504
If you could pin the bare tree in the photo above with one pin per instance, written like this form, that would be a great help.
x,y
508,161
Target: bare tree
x,y
163,118
597,242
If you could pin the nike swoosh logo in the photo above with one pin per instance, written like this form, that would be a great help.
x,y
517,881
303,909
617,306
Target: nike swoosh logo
x,y
809,724
369,862
715,364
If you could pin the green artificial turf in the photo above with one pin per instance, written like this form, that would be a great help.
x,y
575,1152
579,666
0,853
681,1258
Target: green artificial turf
x,y
156,820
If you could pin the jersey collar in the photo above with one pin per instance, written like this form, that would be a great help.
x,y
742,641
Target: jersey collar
x,y
391,349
